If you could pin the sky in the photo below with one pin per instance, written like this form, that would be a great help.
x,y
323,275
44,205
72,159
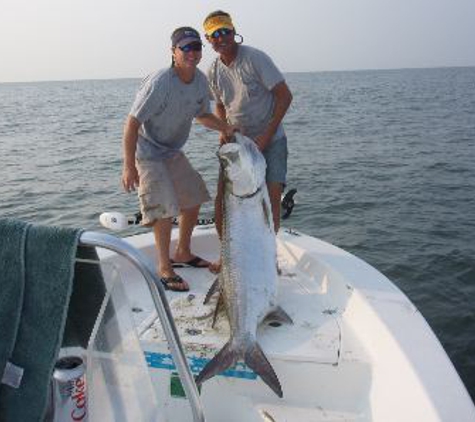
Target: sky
x,y
43,40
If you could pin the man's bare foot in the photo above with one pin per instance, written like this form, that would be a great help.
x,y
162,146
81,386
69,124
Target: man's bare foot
x,y
215,267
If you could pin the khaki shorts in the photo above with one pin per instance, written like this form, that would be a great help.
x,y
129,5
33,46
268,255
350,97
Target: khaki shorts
x,y
168,187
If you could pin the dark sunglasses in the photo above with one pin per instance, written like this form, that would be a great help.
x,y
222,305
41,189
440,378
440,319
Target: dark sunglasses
x,y
196,46
221,32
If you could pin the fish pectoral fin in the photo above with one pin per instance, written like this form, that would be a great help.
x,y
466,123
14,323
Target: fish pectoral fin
x,y
257,361
278,316
212,290
225,358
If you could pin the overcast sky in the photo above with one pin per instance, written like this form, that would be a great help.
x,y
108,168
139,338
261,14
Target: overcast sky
x,y
97,39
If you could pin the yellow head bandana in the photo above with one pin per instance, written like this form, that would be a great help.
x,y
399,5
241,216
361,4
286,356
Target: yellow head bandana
x,y
217,22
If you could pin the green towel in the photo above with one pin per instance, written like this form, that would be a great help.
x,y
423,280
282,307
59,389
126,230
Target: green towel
x,y
36,284
12,283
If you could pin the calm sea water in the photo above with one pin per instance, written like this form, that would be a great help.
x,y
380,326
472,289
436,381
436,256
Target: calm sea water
x,y
384,164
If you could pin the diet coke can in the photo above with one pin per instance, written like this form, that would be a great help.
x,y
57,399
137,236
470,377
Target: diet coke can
x,y
68,390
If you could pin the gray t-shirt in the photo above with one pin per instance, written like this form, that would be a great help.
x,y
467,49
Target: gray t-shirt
x,y
166,107
244,88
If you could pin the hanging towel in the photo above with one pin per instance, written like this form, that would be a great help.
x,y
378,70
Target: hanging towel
x,y
12,284
37,268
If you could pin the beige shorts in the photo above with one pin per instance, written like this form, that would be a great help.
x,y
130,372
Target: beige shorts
x,y
168,187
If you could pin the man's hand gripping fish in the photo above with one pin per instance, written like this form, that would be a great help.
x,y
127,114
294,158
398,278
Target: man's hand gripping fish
x,y
248,277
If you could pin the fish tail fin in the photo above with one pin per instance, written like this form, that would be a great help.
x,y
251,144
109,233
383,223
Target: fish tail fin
x,y
257,361
225,358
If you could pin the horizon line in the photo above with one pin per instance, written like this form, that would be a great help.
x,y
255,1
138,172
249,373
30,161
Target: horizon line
x,y
285,72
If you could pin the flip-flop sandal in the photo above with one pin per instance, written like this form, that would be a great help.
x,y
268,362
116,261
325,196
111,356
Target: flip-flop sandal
x,y
195,262
171,283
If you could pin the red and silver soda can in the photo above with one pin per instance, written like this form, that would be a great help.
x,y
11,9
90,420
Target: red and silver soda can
x,y
69,399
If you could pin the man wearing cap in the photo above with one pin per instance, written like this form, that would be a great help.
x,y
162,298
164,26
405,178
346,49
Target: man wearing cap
x,y
156,129
251,93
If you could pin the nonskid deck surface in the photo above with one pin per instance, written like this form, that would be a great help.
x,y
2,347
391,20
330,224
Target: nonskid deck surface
x,y
308,352
306,291
314,336
308,356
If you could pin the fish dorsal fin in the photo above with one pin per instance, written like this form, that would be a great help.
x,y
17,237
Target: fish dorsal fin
x,y
278,316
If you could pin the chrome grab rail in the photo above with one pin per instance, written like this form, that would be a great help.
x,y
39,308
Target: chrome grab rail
x,y
160,301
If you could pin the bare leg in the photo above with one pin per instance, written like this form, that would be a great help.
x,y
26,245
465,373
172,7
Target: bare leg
x,y
162,230
187,221
275,192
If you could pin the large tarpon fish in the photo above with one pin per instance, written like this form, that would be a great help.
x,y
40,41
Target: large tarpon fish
x,y
248,277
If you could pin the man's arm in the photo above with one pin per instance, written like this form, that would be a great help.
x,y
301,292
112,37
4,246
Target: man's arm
x,y
130,176
282,101
217,122
220,111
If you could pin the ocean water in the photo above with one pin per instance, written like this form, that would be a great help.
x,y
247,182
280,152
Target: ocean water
x,y
383,161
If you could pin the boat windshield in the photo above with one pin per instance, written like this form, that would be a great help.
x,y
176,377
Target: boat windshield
x,y
118,382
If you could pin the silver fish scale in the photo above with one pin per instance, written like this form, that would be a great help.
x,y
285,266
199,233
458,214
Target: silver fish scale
x,y
249,274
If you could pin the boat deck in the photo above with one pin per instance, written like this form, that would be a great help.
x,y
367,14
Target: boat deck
x,y
311,349
314,337
358,348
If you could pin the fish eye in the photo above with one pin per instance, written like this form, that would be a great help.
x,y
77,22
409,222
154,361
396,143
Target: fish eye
x,y
225,162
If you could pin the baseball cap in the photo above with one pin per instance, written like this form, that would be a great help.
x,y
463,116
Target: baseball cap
x,y
185,35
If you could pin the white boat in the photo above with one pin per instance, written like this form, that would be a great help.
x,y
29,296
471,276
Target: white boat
x,y
358,350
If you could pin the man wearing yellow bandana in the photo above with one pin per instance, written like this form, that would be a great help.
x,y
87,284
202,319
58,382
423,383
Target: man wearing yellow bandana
x,y
251,93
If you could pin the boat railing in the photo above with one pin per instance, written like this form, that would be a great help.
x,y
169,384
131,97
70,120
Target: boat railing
x,y
162,308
